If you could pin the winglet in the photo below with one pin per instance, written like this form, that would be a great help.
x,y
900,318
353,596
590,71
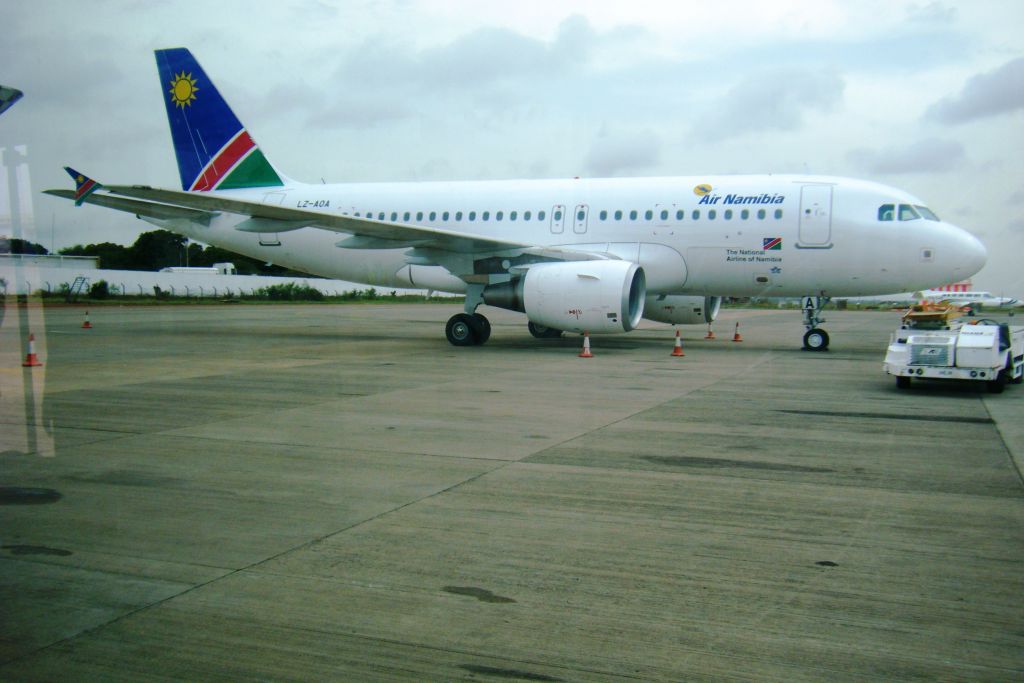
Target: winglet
x,y
8,96
84,185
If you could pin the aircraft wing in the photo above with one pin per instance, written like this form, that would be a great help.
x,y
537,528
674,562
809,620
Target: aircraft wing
x,y
139,208
365,233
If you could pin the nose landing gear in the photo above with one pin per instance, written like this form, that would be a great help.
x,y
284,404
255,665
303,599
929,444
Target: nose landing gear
x,y
815,338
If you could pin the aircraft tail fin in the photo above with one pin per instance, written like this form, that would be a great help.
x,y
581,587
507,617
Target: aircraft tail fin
x,y
214,150
84,185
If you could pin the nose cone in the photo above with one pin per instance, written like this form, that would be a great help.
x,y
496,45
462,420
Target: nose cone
x,y
971,253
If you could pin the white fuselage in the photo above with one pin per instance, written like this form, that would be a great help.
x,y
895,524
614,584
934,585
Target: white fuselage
x,y
737,236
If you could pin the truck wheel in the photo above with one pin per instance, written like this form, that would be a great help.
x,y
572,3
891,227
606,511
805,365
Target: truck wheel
x,y
902,382
997,385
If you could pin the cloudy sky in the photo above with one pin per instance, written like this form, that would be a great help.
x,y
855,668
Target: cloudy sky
x,y
926,96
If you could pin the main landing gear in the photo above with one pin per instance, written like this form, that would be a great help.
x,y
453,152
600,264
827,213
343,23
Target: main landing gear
x,y
469,328
542,332
815,338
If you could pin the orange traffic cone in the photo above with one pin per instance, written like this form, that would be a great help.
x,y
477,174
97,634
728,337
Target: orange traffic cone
x,y
31,360
87,325
678,350
736,336
585,353
710,334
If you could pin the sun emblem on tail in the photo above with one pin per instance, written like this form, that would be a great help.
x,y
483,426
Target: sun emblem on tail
x,y
183,90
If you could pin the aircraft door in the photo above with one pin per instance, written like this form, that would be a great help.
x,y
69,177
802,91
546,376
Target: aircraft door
x,y
579,223
815,216
271,239
557,219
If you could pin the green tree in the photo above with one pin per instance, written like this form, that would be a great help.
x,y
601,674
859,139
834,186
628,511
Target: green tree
x,y
20,246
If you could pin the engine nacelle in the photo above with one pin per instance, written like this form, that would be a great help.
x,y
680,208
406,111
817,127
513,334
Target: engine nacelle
x,y
577,296
682,310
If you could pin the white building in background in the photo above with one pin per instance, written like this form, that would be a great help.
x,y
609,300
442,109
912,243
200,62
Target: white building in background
x,y
27,274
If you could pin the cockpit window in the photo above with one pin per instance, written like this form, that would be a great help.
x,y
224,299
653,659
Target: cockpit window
x,y
927,213
885,212
908,213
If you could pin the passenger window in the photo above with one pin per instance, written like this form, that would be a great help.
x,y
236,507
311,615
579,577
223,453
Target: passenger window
x,y
580,215
648,214
908,213
885,212
486,216
680,214
406,214
778,213
433,215
380,216
728,214
664,214
540,215
558,215
711,214
695,215
394,215
526,216
498,216
472,215
618,215
744,214
419,215
761,214
512,216
444,216
603,215
632,215
458,215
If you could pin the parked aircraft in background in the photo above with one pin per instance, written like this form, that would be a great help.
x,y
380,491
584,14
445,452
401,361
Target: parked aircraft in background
x,y
573,255
977,300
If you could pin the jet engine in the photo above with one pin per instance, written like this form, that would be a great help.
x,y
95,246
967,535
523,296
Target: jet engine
x,y
682,310
576,296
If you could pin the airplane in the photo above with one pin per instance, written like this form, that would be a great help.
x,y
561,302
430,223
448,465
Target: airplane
x,y
575,255
975,300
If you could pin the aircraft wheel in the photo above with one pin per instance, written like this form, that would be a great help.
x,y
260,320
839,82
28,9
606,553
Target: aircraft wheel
x,y
542,331
816,339
482,328
461,330
902,382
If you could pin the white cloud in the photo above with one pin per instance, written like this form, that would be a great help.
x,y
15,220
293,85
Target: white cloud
x,y
772,100
622,153
989,94
925,156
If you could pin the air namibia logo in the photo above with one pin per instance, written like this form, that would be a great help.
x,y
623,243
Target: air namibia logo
x,y
702,190
183,90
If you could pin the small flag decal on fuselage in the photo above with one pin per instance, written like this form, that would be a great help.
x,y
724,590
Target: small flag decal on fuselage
x,y
772,244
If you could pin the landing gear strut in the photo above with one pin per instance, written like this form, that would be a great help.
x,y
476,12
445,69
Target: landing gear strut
x,y
469,328
815,338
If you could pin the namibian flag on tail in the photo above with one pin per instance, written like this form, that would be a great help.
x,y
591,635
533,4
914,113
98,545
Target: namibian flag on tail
x,y
84,185
214,150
